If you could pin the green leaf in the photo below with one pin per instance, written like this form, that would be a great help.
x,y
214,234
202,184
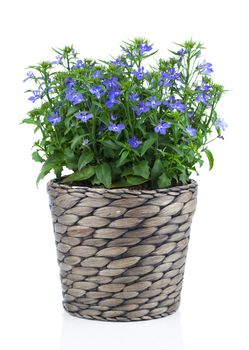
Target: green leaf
x,y
147,144
46,168
53,162
36,157
28,121
104,175
110,144
72,110
122,160
119,184
85,158
142,169
190,156
83,174
135,180
95,181
68,154
109,153
77,140
151,54
183,178
58,171
130,181
126,171
210,158
70,159
157,169
177,149
164,181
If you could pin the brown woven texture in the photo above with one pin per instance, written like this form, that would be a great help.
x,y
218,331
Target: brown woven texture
x,y
121,252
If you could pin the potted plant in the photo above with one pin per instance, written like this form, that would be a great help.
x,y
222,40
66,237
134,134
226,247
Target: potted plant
x,y
131,136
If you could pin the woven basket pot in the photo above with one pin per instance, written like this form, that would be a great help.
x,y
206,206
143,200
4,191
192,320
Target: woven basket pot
x,y
121,252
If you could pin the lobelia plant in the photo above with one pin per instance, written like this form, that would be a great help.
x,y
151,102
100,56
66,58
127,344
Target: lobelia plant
x,y
120,124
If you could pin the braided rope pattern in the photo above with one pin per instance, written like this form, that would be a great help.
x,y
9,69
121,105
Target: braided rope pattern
x,y
121,252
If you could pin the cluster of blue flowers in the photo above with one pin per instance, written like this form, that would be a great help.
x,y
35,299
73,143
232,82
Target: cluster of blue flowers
x,y
84,116
116,127
162,127
169,78
36,95
78,64
122,122
97,74
206,68
140,73
119,62
134,142
71,93
107,92
54,118
175,104
97,91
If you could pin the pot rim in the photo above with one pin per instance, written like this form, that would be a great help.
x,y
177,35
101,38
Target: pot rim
x,y
54,183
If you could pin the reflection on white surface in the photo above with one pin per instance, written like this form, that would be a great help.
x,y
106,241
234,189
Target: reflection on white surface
x,y
161,334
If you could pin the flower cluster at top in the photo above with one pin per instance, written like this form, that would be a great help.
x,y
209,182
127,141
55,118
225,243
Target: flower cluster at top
x,y
139,123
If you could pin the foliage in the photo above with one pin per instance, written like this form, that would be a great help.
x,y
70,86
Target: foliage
x,y
118,123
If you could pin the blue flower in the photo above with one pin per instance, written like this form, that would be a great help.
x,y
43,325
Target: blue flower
x,y
140,73
112,98
201,98
172,103
191,131
116,92
169,102
162,127
114,117
133,97
97,91
144,48
179,106
54,118
141,108
85,142
36,96
97,74
30,75
180,52
153,103
134,142
70,82
167,78
221,124
203,87
172,74
111,83
119,62
111,102
79,64
206,68
116,127
73,96
84,116
58,60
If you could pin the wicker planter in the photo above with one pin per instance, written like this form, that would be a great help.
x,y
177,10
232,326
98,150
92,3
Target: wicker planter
x,y
121,252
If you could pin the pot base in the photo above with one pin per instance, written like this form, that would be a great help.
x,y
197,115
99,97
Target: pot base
x,y
91,314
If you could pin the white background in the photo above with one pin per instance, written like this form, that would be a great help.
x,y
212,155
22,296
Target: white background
x,y
214,311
